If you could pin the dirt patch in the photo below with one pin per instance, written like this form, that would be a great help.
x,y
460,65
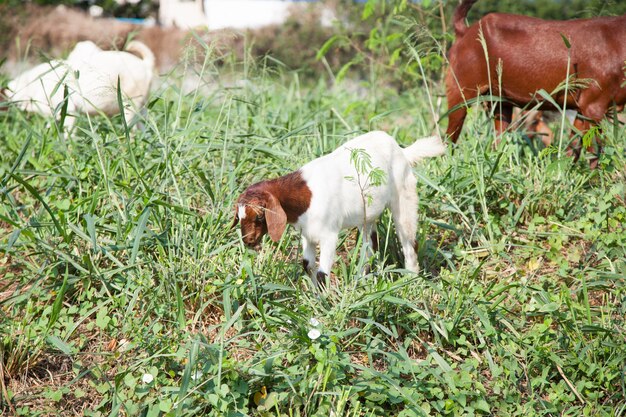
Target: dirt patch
x,y
52,387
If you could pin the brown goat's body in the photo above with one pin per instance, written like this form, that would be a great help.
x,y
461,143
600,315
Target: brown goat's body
x,y
527,54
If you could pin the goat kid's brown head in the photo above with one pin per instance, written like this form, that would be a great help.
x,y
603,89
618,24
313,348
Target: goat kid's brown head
x,y
259,213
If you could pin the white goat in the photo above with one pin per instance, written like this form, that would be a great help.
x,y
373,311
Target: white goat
x,y
91,76
330,193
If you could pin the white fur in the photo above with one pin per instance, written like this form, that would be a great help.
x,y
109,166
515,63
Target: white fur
x,y
338,191
241,212
40,89
91,76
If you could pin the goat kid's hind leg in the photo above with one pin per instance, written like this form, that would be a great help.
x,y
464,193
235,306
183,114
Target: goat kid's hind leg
x,y
369,237
404,212
369,241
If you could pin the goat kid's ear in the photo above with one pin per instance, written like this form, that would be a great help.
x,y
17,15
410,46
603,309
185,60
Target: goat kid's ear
x,y
275,217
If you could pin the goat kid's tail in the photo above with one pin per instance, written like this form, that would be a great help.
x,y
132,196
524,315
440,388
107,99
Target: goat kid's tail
x,y
459,17
424,148
142,50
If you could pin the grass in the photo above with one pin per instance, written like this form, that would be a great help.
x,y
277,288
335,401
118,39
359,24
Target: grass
x,y
124,290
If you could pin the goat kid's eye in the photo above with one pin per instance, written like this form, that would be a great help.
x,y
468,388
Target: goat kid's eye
x,y
259,218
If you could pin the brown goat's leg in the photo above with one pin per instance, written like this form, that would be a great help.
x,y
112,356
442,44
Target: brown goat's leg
x,y
545,133
593,162
593,106
502,117
456,95
596,112
573,149
455,123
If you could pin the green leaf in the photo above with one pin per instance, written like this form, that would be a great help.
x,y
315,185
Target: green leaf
x,y
63,204
543,93
120,104
139,231
481,405
343,71
369,9
56,395
154,411
102,318
180,308
58,302
549,307
165,405
130,381
18,160
38,196
59,344
327,45
440,361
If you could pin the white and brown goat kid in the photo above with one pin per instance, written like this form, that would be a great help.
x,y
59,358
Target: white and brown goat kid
x,y
324,196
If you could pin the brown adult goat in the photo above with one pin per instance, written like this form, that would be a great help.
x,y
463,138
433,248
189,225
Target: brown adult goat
x,y
524,55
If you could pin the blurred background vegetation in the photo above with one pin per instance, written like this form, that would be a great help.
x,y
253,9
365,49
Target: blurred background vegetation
x,y
378,38
546,9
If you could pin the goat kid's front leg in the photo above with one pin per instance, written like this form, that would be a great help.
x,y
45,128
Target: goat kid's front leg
x,y
308,256
328,247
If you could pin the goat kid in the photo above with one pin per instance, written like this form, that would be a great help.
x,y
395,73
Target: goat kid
x,y
91,76
328,194
533,56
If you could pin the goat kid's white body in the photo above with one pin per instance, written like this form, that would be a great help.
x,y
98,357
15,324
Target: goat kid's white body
x,y
99,71
339,193
90,75
34,90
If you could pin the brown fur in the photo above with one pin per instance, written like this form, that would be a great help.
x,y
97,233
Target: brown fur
x,y
534,124
533,56
270,205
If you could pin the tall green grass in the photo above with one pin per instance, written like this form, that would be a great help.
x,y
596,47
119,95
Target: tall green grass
x,y
126,292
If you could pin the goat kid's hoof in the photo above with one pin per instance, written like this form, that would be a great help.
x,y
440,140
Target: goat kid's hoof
x,y
322,281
